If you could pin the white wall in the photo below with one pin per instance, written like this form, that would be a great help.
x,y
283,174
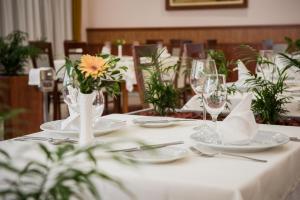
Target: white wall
x,y
152,13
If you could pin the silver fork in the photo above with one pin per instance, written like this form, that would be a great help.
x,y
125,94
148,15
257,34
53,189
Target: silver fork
x,y
206,154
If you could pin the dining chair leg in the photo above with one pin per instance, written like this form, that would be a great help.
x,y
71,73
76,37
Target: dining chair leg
x,y
124,93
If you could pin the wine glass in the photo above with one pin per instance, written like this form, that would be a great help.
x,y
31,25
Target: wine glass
x,y
214,96
200,68
266,69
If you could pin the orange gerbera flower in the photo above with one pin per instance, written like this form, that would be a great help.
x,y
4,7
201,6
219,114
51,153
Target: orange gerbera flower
x,y
92,66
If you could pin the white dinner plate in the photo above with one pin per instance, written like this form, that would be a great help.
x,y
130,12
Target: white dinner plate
x,y
155,156
263,140
154,122
103,126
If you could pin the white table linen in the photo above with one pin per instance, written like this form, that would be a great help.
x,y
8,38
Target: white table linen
x,y
34,75
195,177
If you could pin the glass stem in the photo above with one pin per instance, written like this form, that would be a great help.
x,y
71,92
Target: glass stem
x,y
204,110
215,127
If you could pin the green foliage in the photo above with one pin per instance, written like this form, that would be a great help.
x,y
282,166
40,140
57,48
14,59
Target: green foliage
x,y
269,101
62,173
293,46
13,52
120,42
87,84
290,61
161,93
221,61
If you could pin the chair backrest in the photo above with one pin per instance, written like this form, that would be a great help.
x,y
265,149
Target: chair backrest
x,y
194,50
176,46
138,53
211,43
94,48
45,57
74,50
154,41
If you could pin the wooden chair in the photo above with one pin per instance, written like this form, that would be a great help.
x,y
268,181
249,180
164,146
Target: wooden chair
x,y
138,53
189,52
211,44
154,41
176,46
194,50
45,59
94,48
74,50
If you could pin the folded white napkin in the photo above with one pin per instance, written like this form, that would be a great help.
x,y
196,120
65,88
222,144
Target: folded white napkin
x,y
243,72
34,76
73,121
165,52
240,124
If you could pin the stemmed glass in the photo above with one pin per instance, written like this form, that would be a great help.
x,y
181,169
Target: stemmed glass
x,y
266,69
214,96
200,68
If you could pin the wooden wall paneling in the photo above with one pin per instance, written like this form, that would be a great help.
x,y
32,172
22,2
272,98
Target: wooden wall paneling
x,y
233,34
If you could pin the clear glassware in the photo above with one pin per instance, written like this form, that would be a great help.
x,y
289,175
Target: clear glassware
x,y
214,96
267,69
200,68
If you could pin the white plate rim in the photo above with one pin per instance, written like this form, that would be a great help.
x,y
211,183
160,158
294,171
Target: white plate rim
x,y
182,155
154,125
98,132
245,148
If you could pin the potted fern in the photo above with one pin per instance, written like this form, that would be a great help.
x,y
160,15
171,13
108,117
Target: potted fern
x,y
160,90
14,54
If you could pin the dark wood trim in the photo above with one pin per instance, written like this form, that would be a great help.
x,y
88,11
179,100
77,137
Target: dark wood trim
x,y
194,27
174,8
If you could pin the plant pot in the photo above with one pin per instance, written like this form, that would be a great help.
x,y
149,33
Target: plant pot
x,y
86,117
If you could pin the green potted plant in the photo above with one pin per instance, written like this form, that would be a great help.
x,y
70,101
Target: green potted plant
x,y
160,90
269,102
14,54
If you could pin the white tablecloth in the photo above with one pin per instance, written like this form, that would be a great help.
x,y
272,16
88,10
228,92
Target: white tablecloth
x,y
195,177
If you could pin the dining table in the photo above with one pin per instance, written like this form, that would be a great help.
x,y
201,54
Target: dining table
x,y
193,176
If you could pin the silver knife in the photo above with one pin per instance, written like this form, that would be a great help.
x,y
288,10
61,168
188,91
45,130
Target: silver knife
x,y
147,147
295,139
162,121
